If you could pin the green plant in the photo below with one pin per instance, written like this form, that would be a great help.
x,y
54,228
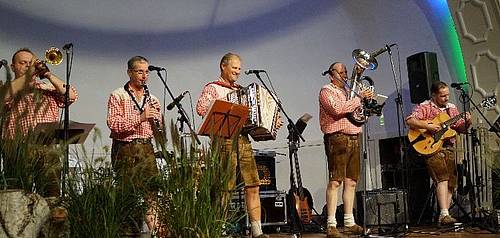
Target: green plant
x,y
97,205
194,197
23,155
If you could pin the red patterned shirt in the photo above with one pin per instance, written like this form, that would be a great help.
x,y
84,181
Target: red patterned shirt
x,y
333,109
212,91
124,117
30,110
427,110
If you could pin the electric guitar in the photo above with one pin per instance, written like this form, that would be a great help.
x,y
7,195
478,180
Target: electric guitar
x,y
302,198
428,143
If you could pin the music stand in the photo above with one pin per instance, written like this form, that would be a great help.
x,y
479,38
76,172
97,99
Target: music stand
x,y
54,131
224,119
50,132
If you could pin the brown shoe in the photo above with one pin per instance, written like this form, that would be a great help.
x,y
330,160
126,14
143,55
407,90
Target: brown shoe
x,y
447,220
332,232
59,214
353,230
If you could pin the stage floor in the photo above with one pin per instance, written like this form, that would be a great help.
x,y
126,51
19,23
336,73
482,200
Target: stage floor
x,y
418,232
426,231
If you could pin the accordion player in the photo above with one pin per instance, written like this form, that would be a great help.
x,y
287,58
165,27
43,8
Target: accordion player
x,y
264,111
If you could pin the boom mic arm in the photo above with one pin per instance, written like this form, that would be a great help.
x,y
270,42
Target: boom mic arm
x,y
382,50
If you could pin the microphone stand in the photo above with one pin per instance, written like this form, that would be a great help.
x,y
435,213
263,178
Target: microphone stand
x,y
66,120
181,119
459,87
364,143
403,148
183,115
472,196
293,146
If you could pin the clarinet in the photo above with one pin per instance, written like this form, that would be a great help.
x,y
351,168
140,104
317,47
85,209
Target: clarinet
x,y
156,123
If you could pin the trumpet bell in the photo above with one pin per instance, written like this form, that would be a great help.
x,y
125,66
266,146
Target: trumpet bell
x,y
53,56
364,59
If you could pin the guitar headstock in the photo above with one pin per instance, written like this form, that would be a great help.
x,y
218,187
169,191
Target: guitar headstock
x,y
489,102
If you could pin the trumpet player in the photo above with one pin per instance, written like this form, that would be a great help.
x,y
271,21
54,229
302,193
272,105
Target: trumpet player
x,y
342,145
29,102
27,68
131,114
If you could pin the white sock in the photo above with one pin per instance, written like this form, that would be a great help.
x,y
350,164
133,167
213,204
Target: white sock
x,y
349,220
256,228
444,212
331,221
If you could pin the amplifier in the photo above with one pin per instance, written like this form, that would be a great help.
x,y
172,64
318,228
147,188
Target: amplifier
x,y
266,166
383,207
273,208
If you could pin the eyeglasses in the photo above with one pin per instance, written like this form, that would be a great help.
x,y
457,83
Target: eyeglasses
x,y
140,71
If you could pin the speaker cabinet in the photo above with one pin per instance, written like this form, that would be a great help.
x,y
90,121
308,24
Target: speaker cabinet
x,y
266,166
383,207
273,208
411,169
422,72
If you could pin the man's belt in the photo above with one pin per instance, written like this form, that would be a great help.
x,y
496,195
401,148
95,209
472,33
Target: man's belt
x,y
136,141
336,134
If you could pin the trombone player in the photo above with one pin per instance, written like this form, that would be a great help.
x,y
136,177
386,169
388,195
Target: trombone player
x,y
28,102
342,144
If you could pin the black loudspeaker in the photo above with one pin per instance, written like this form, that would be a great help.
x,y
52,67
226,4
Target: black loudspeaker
x,y
413,170
266,167
383,207
422,72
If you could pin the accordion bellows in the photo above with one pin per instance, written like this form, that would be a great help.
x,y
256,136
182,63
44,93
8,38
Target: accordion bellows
x,y
263,116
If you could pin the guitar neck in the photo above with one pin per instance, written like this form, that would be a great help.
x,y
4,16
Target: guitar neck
x,y
299,177
486,103
453,120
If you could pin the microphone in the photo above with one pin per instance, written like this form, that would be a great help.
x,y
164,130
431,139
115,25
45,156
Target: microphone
x,y
254,71
67,46
458,85
176,100
382,50
154,68
325,73
3,62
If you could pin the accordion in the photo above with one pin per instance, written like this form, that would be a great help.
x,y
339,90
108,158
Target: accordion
x,y
263,116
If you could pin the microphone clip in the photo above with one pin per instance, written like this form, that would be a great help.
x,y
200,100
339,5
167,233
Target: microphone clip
x,y
68,46
254,71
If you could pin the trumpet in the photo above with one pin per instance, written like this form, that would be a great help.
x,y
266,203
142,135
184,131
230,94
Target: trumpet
x,y
53,56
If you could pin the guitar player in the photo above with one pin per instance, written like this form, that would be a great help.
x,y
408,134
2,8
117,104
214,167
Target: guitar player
x,y
342,143
441,165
